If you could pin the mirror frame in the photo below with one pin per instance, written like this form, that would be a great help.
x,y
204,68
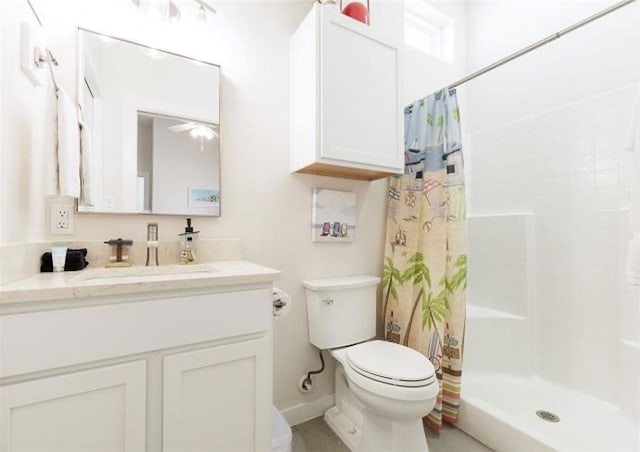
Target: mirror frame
x,y
78,89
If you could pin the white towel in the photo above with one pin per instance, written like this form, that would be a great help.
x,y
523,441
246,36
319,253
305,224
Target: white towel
x,y
68,146
87,167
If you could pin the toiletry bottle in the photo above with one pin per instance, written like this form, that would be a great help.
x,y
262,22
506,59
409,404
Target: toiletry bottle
x,y
119,252
189,245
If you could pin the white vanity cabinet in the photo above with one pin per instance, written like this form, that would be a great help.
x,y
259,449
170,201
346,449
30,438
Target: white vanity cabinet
x,y
102,409
201,386
157,370
346,105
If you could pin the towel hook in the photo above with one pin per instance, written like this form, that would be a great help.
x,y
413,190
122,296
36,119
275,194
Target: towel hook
x,y
45,56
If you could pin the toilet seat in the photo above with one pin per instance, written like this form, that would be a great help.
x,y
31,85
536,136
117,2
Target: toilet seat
x,y
390,364
394,381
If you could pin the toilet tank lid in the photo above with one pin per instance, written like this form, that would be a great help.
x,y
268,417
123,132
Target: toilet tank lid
x,y
345,282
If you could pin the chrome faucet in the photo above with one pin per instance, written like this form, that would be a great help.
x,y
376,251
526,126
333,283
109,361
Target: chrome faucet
x,y
152,243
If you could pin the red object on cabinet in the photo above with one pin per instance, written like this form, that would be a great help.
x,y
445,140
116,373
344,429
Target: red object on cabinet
x,y
358,11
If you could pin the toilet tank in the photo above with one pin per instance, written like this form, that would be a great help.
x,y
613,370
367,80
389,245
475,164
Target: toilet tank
x,y
341,311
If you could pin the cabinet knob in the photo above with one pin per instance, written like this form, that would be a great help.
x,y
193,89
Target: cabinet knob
x,y
328,301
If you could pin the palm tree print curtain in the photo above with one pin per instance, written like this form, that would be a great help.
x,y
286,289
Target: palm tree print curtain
x,y
425,269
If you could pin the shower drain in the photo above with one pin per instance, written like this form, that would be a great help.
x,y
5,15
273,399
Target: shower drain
x,y
547,416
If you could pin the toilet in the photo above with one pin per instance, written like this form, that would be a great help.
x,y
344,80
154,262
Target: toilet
x,y
382,389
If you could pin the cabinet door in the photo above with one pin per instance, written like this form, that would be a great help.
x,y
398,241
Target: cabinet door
x,y
360,103
96,410
218,399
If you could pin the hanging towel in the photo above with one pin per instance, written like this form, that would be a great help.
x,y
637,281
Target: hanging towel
x,y
68,146
87,167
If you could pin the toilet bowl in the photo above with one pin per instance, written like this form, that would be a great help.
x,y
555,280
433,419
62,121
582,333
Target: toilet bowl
x,y
393,387
382,389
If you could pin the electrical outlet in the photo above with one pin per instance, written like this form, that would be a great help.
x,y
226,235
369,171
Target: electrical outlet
x,y
62,219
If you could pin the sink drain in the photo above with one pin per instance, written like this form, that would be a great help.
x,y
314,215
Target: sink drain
x,y
547,416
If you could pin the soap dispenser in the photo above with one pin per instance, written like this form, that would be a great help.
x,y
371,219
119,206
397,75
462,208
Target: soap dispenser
x,y
189,245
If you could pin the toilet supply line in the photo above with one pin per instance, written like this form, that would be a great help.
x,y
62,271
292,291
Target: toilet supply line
x,y
306,384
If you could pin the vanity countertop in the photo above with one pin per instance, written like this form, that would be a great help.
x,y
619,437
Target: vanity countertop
x,y
98,282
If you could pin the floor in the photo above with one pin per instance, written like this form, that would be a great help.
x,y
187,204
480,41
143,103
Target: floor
x,y
316,436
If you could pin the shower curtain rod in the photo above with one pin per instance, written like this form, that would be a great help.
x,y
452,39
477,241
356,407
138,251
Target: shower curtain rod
x,y
542,42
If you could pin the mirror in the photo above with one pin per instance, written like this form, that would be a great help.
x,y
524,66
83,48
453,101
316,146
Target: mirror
x,y
152,119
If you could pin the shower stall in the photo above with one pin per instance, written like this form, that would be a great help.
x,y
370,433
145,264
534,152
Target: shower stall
x,y
552,345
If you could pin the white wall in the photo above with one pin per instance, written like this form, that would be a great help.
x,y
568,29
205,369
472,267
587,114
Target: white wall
x,y
145,145
28,148
145,159
545,136
179,164
264,205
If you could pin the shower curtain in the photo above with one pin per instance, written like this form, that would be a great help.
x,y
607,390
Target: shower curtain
x,y
425,266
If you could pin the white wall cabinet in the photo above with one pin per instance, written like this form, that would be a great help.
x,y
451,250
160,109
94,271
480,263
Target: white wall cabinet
x,y
138,371
96,410
346,104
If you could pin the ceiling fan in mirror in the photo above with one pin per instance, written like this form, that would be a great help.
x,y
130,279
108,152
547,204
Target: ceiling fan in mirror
x,y
197,130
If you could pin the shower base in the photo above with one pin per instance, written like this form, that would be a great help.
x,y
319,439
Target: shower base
x,y
500,411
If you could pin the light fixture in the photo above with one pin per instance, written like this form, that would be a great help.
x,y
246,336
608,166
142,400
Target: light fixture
x,y
197,130
204,10
201,15
174,12
168,10
205,6
203,132
158,10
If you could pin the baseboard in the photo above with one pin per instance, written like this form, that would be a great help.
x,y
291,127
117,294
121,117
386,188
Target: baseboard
x,y
298,414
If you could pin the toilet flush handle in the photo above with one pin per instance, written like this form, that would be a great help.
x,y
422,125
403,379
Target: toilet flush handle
x,y
328,301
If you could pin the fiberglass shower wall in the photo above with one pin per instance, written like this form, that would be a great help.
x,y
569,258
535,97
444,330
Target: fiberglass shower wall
x,y
549,196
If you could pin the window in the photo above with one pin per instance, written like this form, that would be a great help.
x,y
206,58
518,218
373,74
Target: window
x,y
428,29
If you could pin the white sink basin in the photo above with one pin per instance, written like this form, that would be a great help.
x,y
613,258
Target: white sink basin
x,y
144,273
